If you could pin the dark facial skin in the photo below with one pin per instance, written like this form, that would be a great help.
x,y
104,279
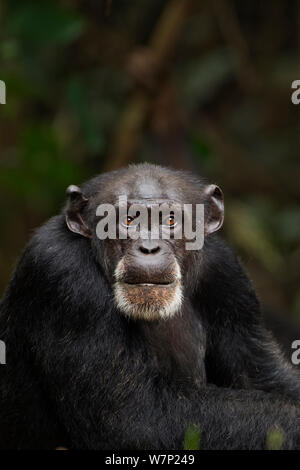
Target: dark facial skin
x,y
151,274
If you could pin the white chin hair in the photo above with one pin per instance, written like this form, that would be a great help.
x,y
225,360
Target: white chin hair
x,y
148,309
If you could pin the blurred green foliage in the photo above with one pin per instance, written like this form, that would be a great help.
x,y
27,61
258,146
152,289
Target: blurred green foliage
x,y
192,438
275,439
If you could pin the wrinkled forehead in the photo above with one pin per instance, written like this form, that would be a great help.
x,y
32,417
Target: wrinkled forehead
x,y
148,189
148,185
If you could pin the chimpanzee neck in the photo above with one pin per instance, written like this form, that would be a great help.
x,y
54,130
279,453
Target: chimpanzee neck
x,y
178,344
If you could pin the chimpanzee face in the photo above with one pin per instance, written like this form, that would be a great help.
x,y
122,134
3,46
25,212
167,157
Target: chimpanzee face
x,y
147,272
146,211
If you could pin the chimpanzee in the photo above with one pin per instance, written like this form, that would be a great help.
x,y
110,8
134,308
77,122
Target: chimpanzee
x,y
123,343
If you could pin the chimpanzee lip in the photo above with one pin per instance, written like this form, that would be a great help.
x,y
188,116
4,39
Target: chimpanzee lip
x,y
151,284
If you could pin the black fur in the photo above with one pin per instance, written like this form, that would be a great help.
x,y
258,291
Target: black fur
x,y
81,374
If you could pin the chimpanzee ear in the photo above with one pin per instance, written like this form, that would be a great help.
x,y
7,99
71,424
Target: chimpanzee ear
x,y
76,203
214,213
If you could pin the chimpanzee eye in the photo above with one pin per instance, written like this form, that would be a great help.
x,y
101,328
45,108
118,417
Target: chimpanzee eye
x,y
129,220
170,220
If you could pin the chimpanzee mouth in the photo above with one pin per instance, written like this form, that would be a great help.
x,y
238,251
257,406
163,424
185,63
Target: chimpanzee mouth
x,y
148,301
152,284
148,295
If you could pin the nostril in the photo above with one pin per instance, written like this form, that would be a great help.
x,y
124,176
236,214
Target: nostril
x,y
149,251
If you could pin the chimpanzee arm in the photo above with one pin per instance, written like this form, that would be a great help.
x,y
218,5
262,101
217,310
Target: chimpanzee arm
x,y
98,377
241,353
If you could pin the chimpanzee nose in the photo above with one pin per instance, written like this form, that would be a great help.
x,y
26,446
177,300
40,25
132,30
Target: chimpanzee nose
x,y
149,247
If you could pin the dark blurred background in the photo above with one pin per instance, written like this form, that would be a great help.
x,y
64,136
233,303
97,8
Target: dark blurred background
x,y
202,85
